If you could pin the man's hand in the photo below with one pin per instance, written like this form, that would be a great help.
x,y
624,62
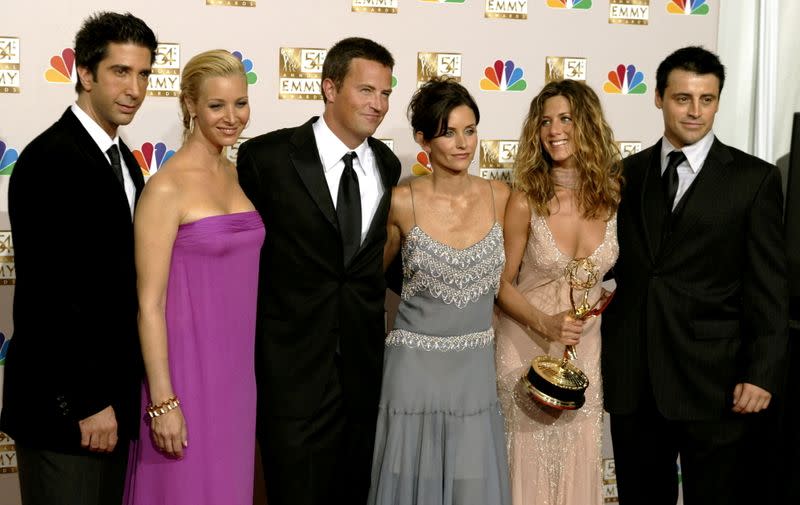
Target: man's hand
x,y
749,398
99,431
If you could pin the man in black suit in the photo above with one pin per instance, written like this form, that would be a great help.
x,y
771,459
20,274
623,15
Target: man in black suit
x,y
694,344
73,371
323,190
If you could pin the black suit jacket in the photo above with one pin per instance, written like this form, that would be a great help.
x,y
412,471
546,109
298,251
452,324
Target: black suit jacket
x,y
308,299
75,348
708,308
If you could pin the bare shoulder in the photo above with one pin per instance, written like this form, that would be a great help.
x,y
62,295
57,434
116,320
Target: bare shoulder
x,y
402,199
164,184
501,191
402,209
518,202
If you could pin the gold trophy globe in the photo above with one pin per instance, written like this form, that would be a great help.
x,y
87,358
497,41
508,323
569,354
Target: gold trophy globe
x,y
556,382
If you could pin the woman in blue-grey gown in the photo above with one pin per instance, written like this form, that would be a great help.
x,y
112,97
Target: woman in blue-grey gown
x,y
439,438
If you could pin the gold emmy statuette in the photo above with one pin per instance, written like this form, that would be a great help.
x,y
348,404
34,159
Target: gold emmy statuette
x,y
557,382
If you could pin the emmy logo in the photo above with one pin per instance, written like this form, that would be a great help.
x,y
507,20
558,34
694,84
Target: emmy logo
x,y
166,79
497,174
9,65
431,65
232,3
609,482
8,274
498,153
8,454
449,65
506,9
497,159
626,148
557,68
300,73
629,12
375,6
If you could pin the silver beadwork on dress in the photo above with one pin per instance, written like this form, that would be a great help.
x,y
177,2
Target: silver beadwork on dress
x,y
432,343
455,276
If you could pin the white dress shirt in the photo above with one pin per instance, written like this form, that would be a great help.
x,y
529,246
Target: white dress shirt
x,y
695,158
103,141
331,150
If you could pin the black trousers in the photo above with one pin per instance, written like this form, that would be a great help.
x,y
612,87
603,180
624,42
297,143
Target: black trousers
x,y
721,460
54,478
325,458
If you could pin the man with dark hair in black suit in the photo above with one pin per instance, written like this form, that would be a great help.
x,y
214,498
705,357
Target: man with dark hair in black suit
x,y
73,371
323,190
694,345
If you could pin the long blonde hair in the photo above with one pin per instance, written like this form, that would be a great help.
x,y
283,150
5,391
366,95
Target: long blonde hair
x,y
596,154
214,63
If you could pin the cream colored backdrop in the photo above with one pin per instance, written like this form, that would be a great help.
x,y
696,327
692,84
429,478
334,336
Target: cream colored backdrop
x,y
595,36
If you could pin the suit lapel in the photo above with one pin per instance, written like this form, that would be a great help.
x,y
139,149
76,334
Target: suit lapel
x,y
87,147
386,198
694,203
96,159
386,178
305,158
638,185
133,169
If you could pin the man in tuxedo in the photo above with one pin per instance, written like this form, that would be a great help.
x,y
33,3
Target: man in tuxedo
x,y
73,371
694,344
323,190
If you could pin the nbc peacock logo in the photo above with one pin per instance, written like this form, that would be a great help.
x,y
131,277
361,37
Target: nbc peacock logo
x,y
62,67
150,157
570,4
8,158
690,7
503,76
252,77
423,164
625,81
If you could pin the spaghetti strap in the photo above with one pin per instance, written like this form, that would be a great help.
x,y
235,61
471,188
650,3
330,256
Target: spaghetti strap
x,y
494,210
413,210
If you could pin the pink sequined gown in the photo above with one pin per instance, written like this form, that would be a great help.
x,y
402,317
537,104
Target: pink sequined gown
x,y
554,456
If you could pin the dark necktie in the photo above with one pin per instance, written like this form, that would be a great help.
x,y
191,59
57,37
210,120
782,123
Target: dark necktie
x,y
348,208
669,179
113,155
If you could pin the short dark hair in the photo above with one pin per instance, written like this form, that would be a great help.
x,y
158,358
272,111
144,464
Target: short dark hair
x,y
103,28
693,59
338,57
432,103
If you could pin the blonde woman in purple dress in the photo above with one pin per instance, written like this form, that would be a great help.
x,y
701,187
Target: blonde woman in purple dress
x,y
198,240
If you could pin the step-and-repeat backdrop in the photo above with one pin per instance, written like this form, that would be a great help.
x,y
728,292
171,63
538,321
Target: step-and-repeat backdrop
x,y
503,51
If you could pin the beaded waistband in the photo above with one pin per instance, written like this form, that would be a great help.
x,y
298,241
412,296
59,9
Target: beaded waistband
x,y
435,343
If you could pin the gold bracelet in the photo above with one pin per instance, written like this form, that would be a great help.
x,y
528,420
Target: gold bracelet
x,y
163,407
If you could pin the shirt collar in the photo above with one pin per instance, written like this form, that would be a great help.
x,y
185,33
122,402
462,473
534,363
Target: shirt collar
x,y
696,153
94,130
331,149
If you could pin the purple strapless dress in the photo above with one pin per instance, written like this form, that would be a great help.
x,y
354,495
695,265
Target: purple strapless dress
x,y
211,316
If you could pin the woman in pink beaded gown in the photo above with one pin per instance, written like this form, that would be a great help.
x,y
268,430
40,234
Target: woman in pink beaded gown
x,y
198,240
563,212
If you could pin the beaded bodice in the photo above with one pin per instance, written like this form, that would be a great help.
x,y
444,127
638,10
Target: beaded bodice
x,y
448,293
454,276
